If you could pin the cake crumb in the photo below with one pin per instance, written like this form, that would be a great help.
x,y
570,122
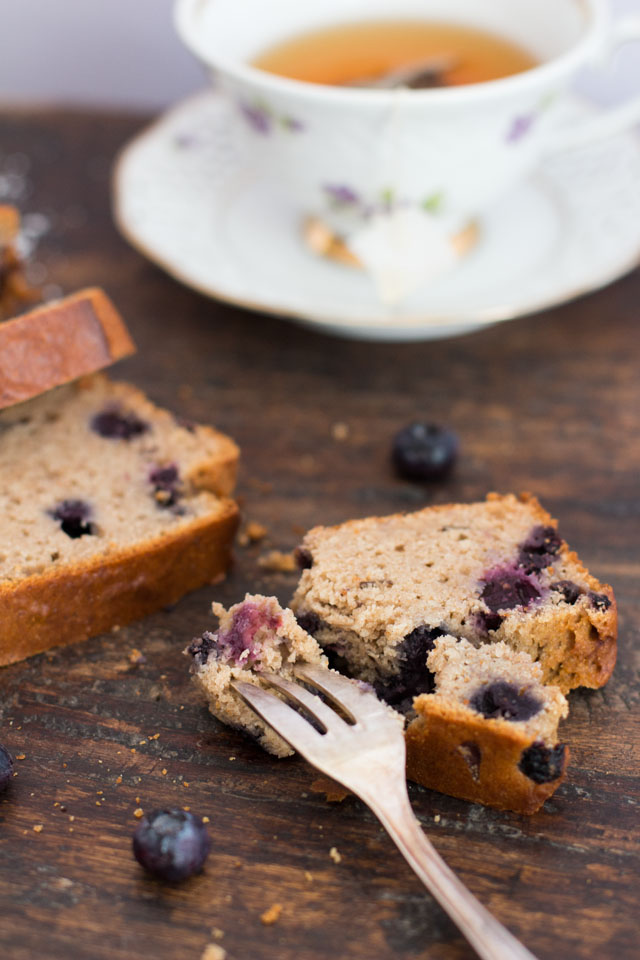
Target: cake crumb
x,y
272,915
213,951
136,656
38,827
252,533
206,820
217,933
138,813
335,856
436,819
21,756
340,431
119,779
334,792
278,562
308,876
164,771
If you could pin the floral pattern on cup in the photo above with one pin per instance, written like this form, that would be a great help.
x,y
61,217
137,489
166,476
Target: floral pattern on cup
x,y
263,120
522,124
345,199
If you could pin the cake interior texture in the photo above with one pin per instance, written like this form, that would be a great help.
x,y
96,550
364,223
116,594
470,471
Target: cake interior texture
x,y
377,593
254,636
95,467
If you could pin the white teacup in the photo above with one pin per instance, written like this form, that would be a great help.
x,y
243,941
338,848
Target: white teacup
x,y
400,172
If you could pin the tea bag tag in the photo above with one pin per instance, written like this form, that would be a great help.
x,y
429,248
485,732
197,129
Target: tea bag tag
x,y
402,250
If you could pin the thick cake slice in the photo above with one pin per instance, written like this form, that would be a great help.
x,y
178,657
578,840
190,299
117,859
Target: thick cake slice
x,y
110,508
489,731
378,592
59,342
253,636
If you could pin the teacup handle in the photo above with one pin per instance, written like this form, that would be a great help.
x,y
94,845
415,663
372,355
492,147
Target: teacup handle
x,y
608,122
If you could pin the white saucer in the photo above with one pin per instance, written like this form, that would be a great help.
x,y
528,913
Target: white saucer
x,y
183,198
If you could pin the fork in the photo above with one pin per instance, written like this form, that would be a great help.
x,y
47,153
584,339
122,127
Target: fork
x,y
362,747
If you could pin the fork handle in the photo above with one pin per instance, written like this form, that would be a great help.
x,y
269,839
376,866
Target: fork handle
x,y
487,936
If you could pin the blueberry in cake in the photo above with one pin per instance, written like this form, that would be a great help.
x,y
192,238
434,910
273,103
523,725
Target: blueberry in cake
x,y
378,592
489,730
59,342
253,637
110,507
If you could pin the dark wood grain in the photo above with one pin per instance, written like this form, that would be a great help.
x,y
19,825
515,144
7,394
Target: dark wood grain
x,y
549,404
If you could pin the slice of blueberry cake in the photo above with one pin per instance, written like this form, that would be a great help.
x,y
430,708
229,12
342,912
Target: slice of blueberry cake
x,y
253,637
489,731
111,508
59,342
377,593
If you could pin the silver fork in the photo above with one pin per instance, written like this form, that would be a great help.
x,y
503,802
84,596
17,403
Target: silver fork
x,y
366,753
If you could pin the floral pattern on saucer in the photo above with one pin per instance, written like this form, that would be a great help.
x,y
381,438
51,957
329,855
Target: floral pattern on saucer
x,y
345,199
263,120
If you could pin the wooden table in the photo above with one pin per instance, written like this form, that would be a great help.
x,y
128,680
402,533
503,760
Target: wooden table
x,y
549,404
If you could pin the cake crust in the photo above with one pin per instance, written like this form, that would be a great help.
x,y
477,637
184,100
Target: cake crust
x,y
86,599
59,342
439,756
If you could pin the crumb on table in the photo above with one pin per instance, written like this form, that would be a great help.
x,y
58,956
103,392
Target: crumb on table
x,y
278,562
213,951
272,915
335,855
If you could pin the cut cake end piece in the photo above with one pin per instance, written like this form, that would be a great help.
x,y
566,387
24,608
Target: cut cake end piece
x,y
58,342
488,734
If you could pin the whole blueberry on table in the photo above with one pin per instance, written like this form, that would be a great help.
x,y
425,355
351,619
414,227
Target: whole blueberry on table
x,y
171,844
6,768
424,451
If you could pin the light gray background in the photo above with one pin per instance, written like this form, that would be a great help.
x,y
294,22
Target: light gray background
x,y
125,53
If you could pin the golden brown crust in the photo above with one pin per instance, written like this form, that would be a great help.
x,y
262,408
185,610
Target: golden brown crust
x,y
59,342
220,475
453,752
89,598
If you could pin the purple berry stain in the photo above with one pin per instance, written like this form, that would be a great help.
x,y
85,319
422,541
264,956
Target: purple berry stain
x,y
6,768
113,424
237,644
505,700
171,844
424,451
507,587
73,517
